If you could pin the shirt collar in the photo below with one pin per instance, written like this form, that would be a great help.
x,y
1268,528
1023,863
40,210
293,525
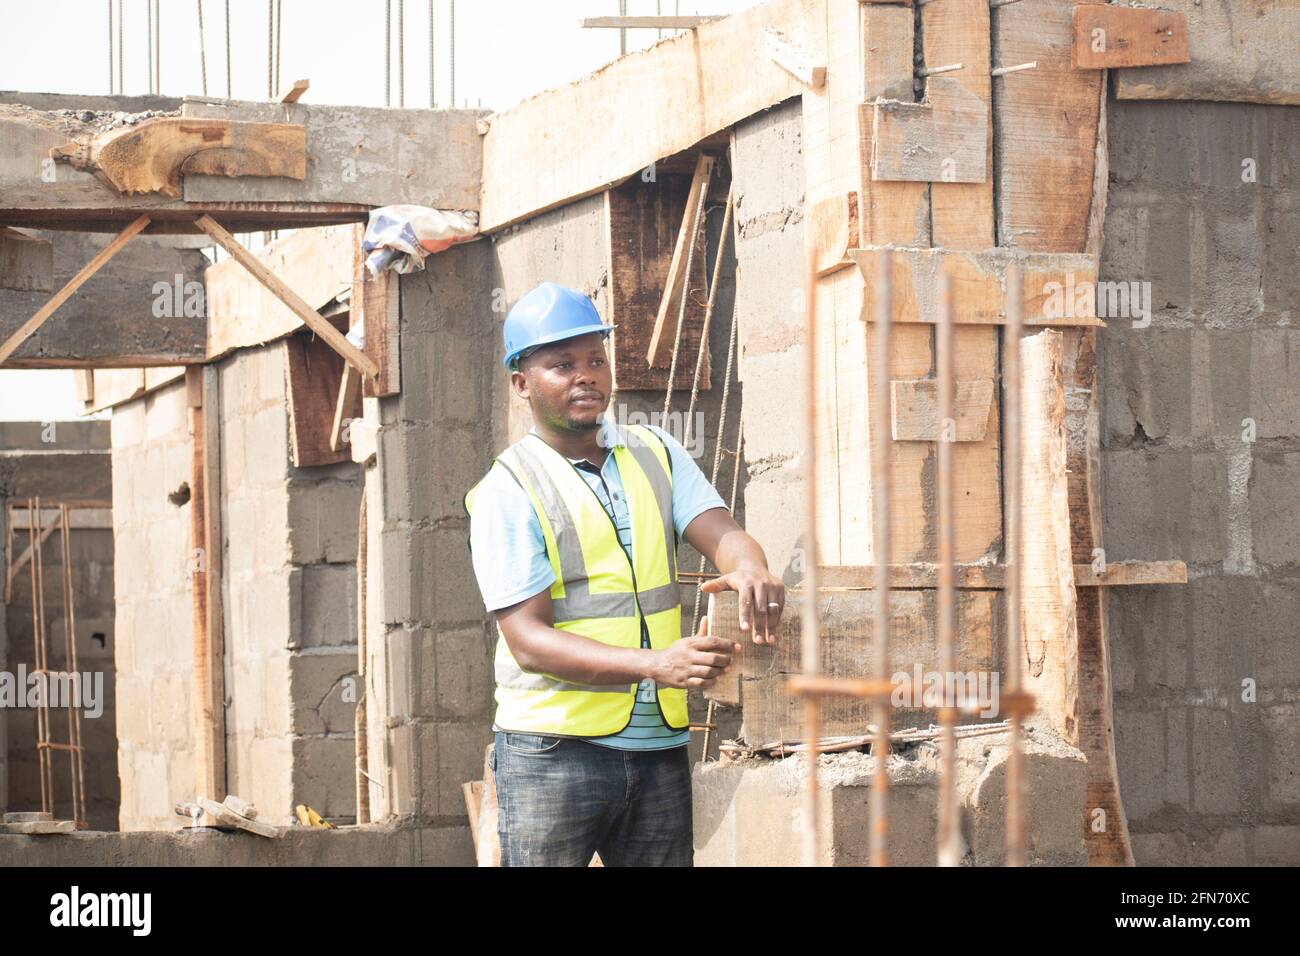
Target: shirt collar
x,y
610,437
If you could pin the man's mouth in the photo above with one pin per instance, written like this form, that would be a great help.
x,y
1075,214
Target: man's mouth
x,y
590,398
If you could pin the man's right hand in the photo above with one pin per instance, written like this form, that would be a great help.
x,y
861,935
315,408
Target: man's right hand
x,y
694,662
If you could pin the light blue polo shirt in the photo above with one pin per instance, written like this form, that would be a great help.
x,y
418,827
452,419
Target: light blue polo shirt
x,y
510,561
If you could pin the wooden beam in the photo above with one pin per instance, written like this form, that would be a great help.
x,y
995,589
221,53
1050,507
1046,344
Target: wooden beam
x,y
919,142
83,382
659,352
1050,636
346,409
992,577
294,93
645,23
151,156
313,319
1106,37
1130,573
26,262
1056,285
791,58
588,135
1245,52
915,410
73,284
375,305
314,378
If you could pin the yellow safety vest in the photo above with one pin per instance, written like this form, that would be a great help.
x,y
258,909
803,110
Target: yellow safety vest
x,y
597,592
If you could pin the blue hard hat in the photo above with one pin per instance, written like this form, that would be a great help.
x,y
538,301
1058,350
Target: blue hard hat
x,y
549,313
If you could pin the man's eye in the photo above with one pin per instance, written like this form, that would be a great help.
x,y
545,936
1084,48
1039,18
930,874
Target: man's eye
x,y
563,364
598,362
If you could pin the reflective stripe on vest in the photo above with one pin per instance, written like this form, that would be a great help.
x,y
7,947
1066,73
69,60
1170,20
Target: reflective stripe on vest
x,y
597,592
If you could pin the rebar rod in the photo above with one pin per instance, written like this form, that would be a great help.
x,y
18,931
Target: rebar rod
x,y
811,637
1011,467
881,488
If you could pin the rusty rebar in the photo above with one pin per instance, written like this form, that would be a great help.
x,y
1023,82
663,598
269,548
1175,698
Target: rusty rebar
x,y
1011,466
70,642
949,836
811,638
881,496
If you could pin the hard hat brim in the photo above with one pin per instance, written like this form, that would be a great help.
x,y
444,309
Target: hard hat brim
x,y
560,337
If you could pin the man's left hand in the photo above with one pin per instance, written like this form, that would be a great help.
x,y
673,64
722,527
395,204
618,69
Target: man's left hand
x,y
762,599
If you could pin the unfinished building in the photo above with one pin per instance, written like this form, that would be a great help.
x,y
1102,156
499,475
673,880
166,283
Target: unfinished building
x,y
296,619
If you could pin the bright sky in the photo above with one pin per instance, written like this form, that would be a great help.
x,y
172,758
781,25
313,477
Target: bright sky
x,y
506,50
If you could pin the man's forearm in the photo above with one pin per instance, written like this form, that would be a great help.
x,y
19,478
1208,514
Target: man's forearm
x,y
738,551
581,660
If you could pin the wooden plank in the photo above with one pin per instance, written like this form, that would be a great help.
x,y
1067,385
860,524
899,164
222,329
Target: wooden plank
x,y
1106,37
205,509
690,245
915,410
203,712
94,265
583,137
366,155
83,383
1242,51
1130,573
228,818
645,23
144,307
347,408
28,816
487,844
957,31
318,324
992,577
1054,285
791,58
380,318
314,376
26,262
40,827
317,263
1046,125
1047,576
919,142
643,220
770,712
834,229
294,93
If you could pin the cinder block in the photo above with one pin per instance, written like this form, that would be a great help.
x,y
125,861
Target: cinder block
x,y
456,598
127,423
1165,504
1220,770
465,683
1274,382
1159,849
1277,845
266,437
1281,228
322,520
411,672
167,413
1151,753
459,758
324,598
407,743
324,775
268,782
323,693
445,846
1275,519
271,366
1281,724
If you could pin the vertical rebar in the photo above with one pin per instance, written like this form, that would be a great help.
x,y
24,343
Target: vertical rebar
x,y
75,758
157,46
203,52
1011,465
881,494
622,32
270,50
433,100
40,658
148,13
949,838
401,53
451,29
811,645
228,81
111,90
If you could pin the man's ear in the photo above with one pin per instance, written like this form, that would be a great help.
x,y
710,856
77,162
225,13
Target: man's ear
x,y
519,381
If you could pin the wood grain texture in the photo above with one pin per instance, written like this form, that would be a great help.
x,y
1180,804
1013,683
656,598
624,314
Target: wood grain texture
x,y
688,250
313,375
1107,36
1047,576
644,223
581,138
915,410
1046,125
919,142
834,229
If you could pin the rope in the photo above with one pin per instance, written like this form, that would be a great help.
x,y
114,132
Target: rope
x,y
228,85
433,102
388,52
203,53
401,53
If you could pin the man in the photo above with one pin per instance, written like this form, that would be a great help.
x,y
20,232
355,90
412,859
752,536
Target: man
x,y
573,533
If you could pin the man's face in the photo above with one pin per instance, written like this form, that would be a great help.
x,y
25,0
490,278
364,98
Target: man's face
x,y
568,383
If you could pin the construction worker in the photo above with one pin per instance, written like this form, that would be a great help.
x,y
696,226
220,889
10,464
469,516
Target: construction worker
x,y
573,533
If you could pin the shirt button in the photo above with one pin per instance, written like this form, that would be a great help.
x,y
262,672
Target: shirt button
x,y
617,496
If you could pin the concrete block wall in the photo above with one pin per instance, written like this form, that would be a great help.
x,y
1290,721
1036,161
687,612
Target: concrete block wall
x,y
1201,462
289,580
61,460
153,654
429,664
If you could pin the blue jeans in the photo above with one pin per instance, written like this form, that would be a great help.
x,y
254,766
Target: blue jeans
x,y
561,799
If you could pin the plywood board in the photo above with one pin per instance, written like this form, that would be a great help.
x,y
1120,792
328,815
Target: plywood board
x,y
313,374
644,223
920,142
583,137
